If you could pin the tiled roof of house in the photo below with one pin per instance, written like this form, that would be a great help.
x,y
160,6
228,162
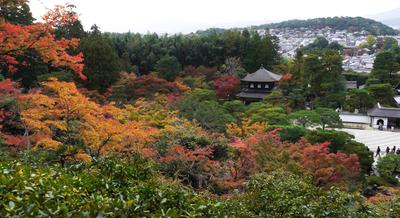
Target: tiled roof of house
x,y
351,84
262,75
379,111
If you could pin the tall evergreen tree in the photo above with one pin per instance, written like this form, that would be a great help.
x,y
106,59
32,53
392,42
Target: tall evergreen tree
x,y
262,50
16,12
384,66
168,67
322,74
101,61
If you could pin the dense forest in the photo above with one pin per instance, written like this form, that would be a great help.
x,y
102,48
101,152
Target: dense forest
x,y
99,124
143,51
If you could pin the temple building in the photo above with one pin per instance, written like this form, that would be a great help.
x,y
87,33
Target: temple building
x,y
378,117
258,84
385,117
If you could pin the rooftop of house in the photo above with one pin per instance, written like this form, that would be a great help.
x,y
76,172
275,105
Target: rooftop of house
x,y
397,99
262,75
351,85
379,111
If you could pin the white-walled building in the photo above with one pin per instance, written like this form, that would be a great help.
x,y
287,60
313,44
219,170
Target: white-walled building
x,y
376,117
387,117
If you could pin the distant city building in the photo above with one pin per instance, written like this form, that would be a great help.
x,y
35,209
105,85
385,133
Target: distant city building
x,y
354,58
258,84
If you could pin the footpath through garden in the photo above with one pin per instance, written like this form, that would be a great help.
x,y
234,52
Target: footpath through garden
x,y
374,138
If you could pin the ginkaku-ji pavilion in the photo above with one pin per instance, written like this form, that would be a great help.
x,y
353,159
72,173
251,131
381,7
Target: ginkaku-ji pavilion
x,y
258,84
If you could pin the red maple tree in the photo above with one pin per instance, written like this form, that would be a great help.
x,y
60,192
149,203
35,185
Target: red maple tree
x,y
225,86
192,166
326,168
16,40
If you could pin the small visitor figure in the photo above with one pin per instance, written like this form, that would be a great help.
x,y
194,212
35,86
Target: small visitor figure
x,y
378,152
393,149
387,150
398,151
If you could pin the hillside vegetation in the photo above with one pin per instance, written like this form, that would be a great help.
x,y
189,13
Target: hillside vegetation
x,y
131,125
351,24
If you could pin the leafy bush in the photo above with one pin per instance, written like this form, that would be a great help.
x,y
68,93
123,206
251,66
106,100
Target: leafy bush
x,y
61,76
376,180
289,133
282,194
111,188
201,105
272,115
342,141
389,167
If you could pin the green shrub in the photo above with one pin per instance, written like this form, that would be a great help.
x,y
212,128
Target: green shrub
x,y
376,180
289,133
389,167
111,188
282,194
61,76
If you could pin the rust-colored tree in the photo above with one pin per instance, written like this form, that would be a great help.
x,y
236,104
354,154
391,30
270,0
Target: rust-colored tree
x,y
130,87
194,167
16,40
226,86
244,160
10,126
62,119
326,168
270,154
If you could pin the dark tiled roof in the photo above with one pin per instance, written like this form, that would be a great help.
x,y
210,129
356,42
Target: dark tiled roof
x,y
251,95
351,84
397,88
384,112
397,99
262,75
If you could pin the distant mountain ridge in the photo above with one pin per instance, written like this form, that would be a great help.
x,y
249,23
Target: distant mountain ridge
x,y
390,18
352,24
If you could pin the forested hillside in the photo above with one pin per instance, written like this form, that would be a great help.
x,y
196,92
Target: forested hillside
x,y
95,124
351,24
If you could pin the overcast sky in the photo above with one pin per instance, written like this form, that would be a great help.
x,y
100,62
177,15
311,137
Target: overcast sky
x,y
173,16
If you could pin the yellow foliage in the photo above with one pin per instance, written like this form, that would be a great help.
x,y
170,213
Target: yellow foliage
x,y
153,112
181,86
245,129
102,128
48,143
83,157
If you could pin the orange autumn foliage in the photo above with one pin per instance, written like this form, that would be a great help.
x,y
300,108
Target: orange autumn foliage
x,y
244,160
192,166
379,198
326,168
245,128
15,40
62,116
154,112
9,92
266,152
